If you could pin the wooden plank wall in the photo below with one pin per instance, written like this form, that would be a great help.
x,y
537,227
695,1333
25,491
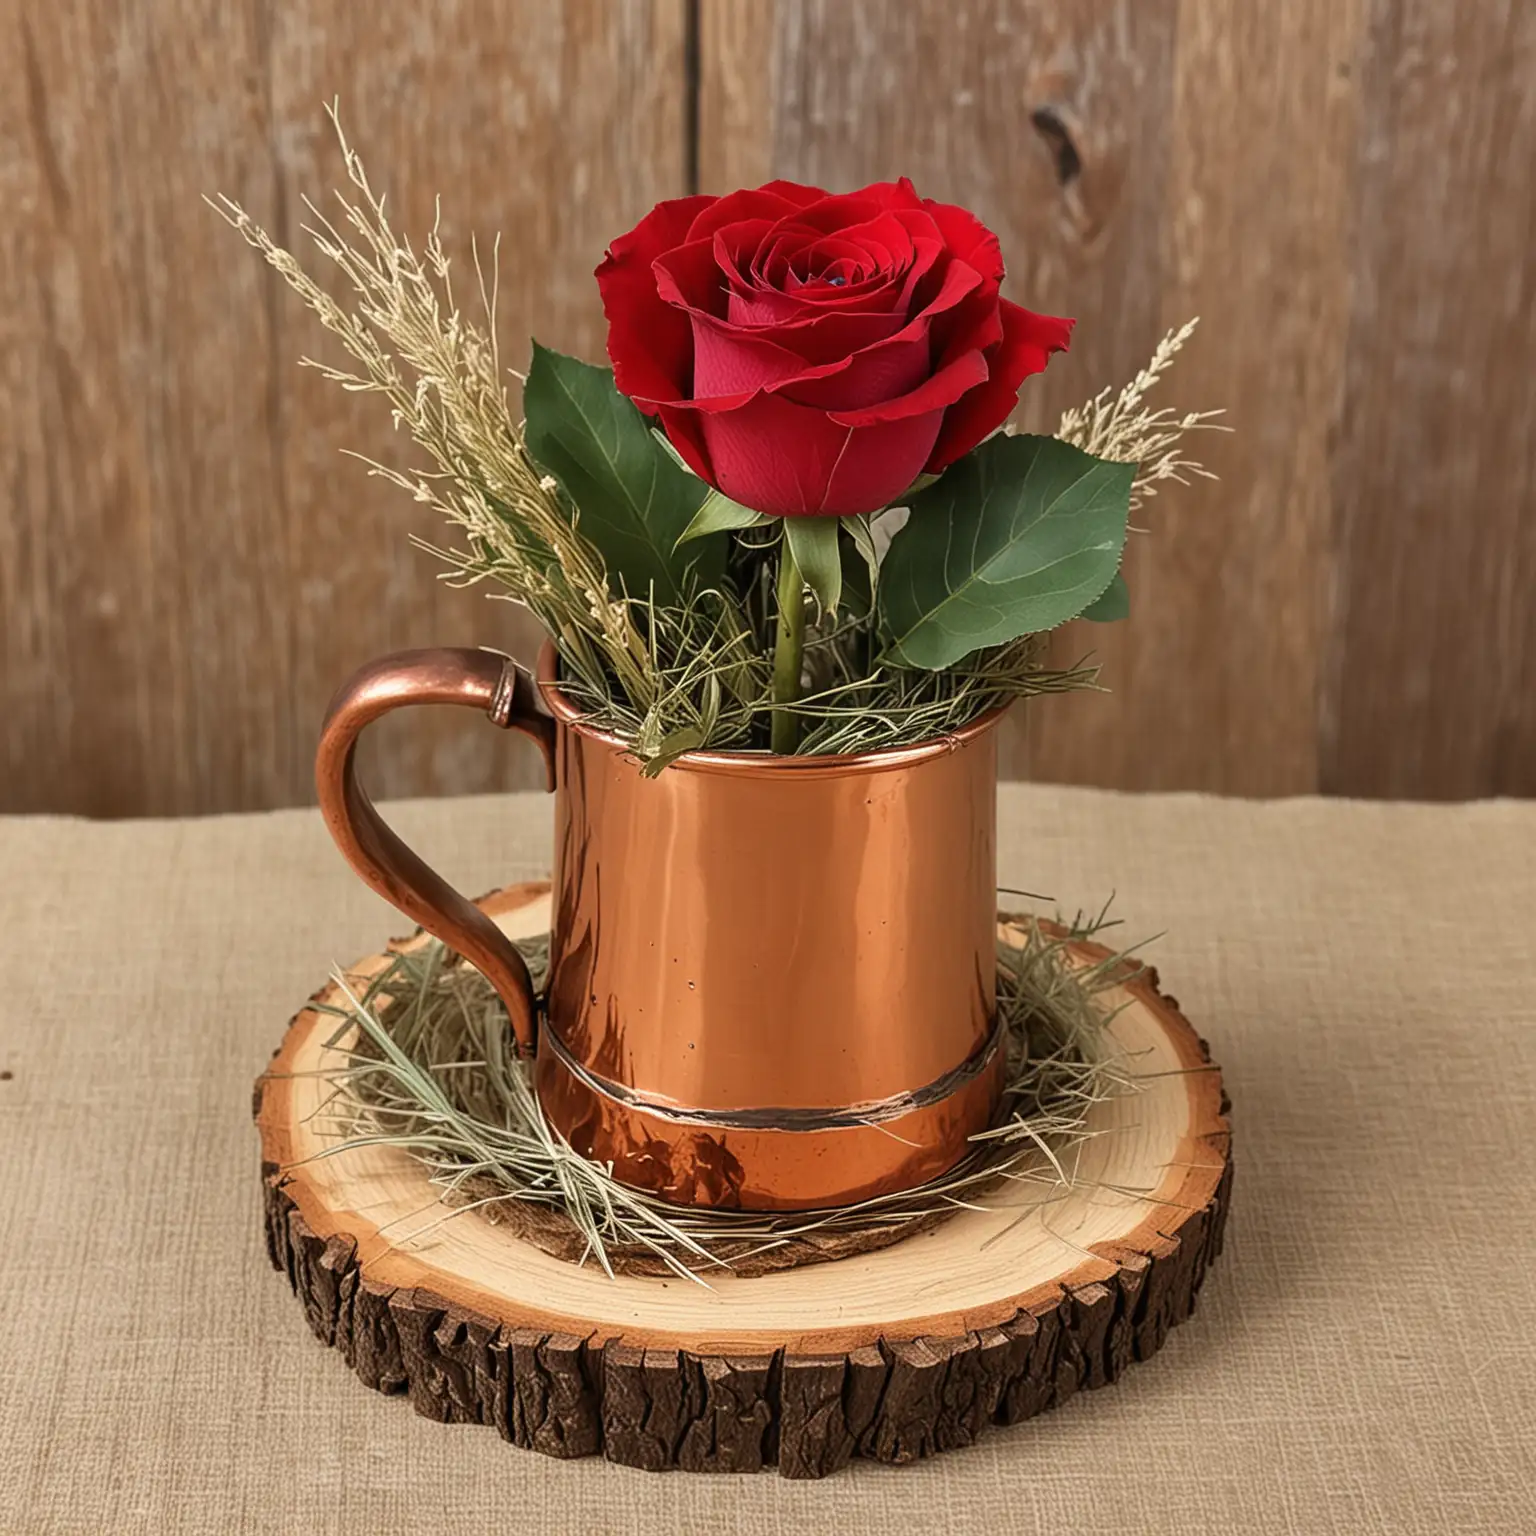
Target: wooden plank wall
x,y
188,566
1340,188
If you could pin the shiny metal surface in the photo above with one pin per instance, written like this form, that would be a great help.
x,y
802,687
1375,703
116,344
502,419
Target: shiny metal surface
x,y
768,1170
745,932
772,979
484,680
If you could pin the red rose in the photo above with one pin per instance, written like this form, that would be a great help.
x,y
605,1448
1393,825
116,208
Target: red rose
x,y
813,354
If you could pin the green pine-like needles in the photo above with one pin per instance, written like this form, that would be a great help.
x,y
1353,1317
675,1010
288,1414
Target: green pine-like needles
x,y
1017,537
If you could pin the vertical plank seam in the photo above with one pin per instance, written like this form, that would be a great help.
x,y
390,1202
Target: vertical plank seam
x,y
692,90
293,766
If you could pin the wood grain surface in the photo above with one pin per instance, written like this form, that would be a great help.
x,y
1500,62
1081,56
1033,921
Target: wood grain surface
x,y
188,565
1337,187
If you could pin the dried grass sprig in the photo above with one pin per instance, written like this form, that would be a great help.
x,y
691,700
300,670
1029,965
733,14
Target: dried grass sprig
x,y
1117,425
421,1061
442,376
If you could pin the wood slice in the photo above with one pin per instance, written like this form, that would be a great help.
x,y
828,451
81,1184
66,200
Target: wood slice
x,y
989,1318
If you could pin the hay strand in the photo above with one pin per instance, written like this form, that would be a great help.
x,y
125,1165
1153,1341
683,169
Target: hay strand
x,y
422,1062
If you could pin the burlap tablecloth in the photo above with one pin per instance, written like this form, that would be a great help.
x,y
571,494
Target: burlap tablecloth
x,y
1364,1356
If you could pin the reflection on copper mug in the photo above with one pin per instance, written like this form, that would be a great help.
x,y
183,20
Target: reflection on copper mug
x,y
772,979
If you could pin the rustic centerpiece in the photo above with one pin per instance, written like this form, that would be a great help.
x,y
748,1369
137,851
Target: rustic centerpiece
x,y
793,567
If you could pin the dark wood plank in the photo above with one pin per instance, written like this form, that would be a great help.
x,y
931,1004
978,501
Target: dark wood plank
x,y
1431,685
1214,679
187,564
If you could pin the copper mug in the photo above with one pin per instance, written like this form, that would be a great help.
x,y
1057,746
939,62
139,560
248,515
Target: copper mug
x,y
772,979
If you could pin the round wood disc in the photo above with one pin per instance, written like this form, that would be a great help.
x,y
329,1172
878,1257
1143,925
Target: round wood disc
x,y
989,1318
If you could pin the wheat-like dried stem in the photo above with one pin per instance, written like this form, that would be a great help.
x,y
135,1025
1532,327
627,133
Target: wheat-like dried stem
x,y
1117,425
441,375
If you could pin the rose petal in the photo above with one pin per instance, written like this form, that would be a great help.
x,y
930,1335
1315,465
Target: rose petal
x,y
780,293
899,195
935,392
968,238
690,278
892,295
839,210
1026,347
829,344
797,246
665,226
772,201
728,357
928,257
767,306
886,240
792,460
973,325
685,431
730,361
809,264
688,272
886,369
735,249
753,303
649,343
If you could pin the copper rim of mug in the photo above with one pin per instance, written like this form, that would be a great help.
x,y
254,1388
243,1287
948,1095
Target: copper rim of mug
x,y
766,764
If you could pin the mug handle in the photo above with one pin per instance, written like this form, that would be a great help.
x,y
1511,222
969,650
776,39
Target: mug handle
x,y
481,679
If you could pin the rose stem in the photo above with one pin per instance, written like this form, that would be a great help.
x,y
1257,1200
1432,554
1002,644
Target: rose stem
x,y
788,649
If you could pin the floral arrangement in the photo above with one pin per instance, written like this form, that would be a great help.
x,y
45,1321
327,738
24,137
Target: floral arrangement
x,y
791,515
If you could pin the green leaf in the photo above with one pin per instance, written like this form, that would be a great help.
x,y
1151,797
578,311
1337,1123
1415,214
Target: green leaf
x,y
670,449
633,500
858,530
719,514
1019,536
1112,605
861,566
858,591
813,543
